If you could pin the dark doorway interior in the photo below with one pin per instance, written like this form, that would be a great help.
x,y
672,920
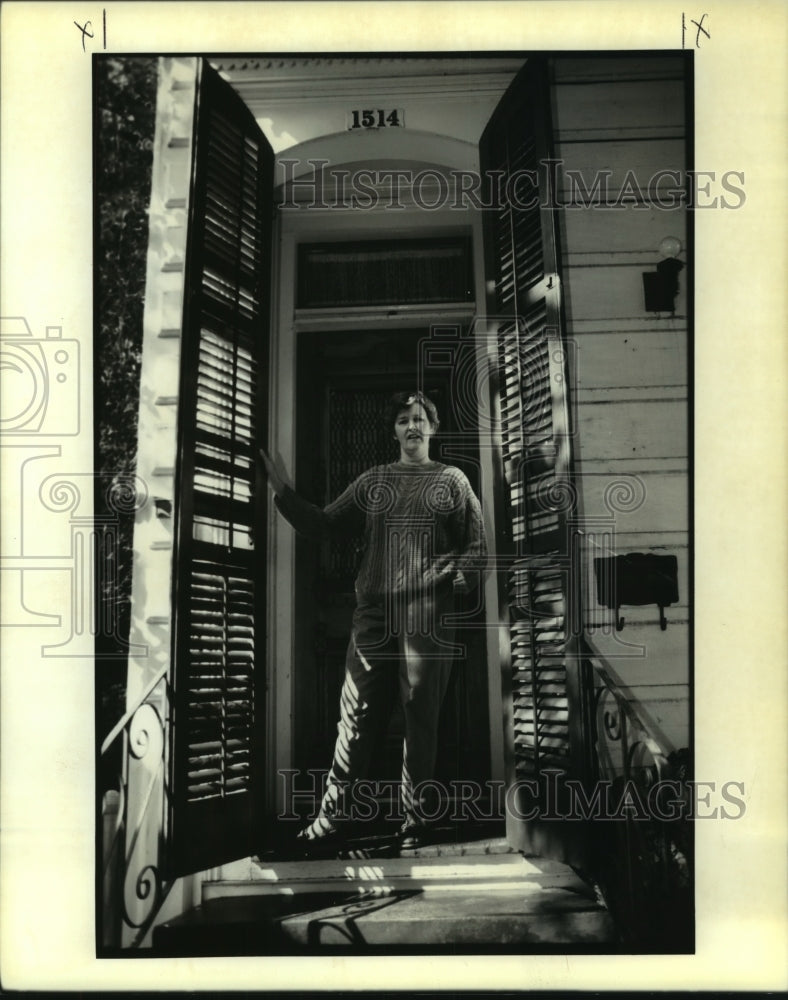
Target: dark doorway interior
x,y
344,381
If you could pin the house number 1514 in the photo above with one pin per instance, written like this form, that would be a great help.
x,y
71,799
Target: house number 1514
x,y
376,119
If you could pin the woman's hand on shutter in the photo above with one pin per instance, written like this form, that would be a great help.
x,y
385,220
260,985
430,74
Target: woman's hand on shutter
x,y
274,472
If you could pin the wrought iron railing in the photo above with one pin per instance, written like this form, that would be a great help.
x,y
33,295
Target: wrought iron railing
x,y
642,844
132,887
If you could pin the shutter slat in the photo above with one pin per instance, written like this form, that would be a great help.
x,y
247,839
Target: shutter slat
x,y
218,660
536,592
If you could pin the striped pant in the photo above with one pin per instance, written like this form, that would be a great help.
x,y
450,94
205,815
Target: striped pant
x,y
402,645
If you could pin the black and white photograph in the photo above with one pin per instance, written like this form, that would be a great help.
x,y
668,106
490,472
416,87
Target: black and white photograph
x,y
410,598
386,576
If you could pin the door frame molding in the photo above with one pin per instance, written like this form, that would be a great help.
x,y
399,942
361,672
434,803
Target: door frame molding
x,y
290,229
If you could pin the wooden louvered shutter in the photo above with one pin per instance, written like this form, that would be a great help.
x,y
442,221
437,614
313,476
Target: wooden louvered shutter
x,y
217,734
535,496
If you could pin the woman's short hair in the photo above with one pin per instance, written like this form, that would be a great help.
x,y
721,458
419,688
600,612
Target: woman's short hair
x,y
404,400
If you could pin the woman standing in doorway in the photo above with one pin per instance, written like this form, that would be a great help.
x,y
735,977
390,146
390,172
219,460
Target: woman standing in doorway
x,y
423,542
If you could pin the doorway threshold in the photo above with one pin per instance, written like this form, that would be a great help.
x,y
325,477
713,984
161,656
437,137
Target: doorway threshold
x,y
455,902
468,856
467,890
381,841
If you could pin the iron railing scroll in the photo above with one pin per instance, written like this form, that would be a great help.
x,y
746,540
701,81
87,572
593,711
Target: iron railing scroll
x,y
642,845
133,889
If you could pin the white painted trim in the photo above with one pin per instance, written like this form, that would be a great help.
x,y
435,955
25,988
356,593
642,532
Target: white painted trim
x,y
486,357
386,147
291,228
281,547
262,93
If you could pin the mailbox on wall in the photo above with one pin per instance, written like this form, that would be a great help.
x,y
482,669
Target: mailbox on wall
x,y
637,578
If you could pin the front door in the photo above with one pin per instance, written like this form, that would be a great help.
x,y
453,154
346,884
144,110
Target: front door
x,y
344,383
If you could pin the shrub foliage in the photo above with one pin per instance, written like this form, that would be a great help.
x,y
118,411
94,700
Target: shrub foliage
x,y
124,109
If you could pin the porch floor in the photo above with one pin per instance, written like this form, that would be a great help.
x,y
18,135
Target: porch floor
x,y
469,895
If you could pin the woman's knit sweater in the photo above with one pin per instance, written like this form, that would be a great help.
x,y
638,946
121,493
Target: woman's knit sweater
x,y
422,528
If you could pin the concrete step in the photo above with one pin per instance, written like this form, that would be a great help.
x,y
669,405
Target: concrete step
x,y
475,894
535,919
407,904
489,918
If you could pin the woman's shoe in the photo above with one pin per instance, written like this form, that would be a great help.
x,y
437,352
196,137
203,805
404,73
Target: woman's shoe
x,y
319,840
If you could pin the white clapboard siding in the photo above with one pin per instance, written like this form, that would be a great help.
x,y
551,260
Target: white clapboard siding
x,y
601,109
633,429
653,501
665,711
628,367
643,655
591,69
612,292
620,231
640,358
651,169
